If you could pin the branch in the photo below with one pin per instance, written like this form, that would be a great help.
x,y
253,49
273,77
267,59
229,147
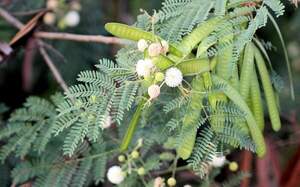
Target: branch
x,y
52,67
79,37
10,19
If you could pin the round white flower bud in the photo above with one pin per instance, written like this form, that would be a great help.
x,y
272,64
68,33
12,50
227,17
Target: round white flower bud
x,y
72,18
218,161
155,49
115,175
52,4
173,77
142,45
165,46
107,123
49,18
159,182
144,67
154,91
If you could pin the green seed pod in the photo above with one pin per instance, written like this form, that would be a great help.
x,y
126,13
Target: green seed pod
x,y
194,66
256,102
189,129
236,98
268,90
189,42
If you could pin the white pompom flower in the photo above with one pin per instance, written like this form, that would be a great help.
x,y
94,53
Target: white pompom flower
x,y
155,49
72,18
107,123
144,67
218,161
173,77
142,45
115,175
153,91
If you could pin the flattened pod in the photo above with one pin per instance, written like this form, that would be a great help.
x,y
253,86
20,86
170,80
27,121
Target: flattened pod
x,y
162,62
194,66
132,33
256,102
132,126
236,98
189,129
198,34
224,65
247,71
268,90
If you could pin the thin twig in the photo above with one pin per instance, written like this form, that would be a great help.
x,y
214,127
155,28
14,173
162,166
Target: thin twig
x,y
79,37
10,19
29,13
52,67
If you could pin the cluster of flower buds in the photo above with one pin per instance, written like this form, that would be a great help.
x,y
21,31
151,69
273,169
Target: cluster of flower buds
x,y
146,68
130,162
59,15
154,49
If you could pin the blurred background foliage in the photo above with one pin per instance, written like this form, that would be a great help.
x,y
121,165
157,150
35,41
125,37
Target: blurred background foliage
x,y
75,56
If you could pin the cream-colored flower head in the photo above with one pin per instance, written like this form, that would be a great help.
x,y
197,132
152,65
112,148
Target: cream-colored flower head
x,y
144,67
218,161
173,77
142,45
154,91
155,49
115,175
107,123
72,18
159,182
49,18
52,4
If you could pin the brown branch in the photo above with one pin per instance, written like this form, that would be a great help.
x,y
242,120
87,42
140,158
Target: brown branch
x,y
52,67
10,19
79,37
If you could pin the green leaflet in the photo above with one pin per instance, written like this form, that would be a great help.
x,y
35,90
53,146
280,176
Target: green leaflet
x,y
198,34
236,98
132,33
194,66
268,90
190,120
132,126
256,102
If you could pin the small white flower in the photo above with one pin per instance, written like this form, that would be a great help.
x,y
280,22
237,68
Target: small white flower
x,y
115,175
187,185
107,123
165,46
49,18
159,182
72,18
155,49
144,67
218,161
173,77
52,4
153,91
142,45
